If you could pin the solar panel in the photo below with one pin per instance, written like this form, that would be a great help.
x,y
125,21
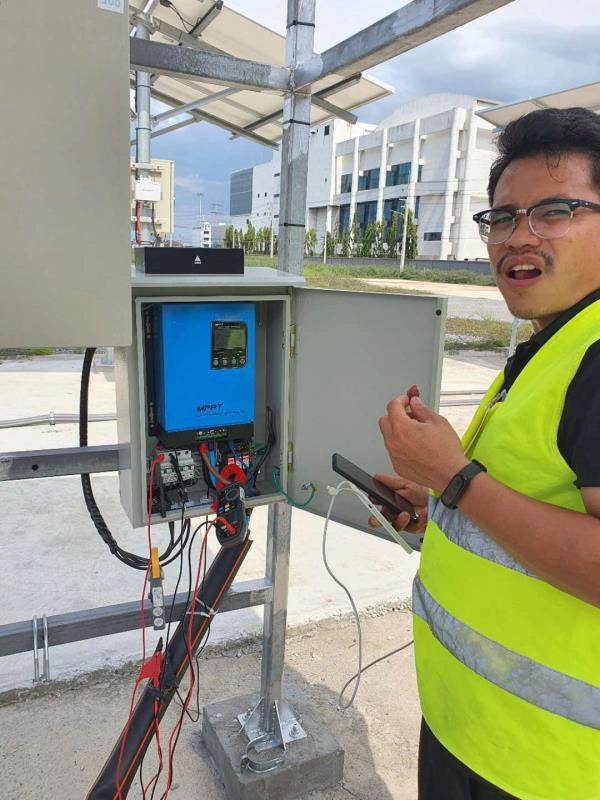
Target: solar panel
x,y
210,25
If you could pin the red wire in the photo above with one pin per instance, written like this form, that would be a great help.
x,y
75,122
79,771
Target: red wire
x,y
188,698
156,460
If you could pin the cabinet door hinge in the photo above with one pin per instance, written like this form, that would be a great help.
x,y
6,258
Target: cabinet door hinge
x,y
290,457
292,340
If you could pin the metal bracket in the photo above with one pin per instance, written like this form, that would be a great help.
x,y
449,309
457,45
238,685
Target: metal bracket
x,y
45,676
260,766
285,727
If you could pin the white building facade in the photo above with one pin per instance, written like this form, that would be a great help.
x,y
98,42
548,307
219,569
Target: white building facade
x,y
433,154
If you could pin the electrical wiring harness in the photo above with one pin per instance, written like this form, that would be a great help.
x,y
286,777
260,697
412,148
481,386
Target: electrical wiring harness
x,y
160,688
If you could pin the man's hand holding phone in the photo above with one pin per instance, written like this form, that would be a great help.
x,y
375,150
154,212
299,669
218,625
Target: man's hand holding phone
x,y
414,493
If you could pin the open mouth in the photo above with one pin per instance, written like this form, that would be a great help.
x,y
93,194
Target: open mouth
x,y
523,272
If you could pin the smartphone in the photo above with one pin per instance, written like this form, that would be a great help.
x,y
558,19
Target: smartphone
x,y
374,489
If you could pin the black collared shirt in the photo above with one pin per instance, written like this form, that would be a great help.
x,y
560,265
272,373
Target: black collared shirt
x,y
579,429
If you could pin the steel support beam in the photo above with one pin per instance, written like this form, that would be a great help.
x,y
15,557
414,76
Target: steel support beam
x,y
220,123
170,128
321,94
172,32
339,86
347,116
195,104
188,63
206,20
104,621
412,25
61,461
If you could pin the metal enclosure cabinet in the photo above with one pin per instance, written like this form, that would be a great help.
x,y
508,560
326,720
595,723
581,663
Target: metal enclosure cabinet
x,y
327,362
64,192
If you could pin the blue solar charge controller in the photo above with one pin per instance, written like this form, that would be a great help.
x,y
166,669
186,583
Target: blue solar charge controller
x,y
201,385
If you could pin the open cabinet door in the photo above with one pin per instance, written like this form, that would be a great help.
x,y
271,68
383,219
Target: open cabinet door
x,y
354,352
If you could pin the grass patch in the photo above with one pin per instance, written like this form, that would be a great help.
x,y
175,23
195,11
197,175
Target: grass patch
x,y
372,271
482,334
323,280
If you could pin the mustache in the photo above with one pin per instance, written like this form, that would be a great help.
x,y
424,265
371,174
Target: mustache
x,y
546,258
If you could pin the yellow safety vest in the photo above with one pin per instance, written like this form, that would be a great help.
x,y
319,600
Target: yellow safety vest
x,y
508,666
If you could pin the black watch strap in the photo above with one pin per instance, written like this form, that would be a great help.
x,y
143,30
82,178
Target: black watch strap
x,y
459,483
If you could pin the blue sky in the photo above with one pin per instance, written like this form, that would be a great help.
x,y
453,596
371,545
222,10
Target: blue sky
x,y
525,49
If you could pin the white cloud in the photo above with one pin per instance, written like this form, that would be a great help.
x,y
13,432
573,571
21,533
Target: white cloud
x,y
196,184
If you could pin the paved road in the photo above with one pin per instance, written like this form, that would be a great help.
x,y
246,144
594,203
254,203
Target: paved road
x,y
473,302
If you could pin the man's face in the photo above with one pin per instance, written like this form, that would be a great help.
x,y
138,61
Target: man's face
x,y
567,268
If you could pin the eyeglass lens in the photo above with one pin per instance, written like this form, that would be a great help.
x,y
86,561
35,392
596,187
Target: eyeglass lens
x,y
548,221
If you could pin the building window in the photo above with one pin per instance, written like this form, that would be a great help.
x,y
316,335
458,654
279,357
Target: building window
x,y
391,208
258,195
275,195
276,174
369,179
417,206
420,173
346,183
265,194
433,236
326,130
240,192
344,218
398,174
365,214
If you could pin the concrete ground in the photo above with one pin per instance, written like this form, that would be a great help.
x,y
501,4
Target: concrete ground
x,y
55,740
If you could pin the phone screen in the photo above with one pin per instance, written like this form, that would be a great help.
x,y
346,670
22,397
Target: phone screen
x,y
382,494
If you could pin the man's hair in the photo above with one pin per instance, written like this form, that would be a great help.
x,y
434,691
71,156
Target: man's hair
x,y
551,132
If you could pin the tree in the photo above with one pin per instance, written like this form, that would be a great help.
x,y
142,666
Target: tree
x,y
331,241
392,237
379,240
368,240
355,237
229,232
249,238
310,242
412,250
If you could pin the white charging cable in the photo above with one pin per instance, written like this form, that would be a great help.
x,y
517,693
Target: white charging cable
x,y
347,486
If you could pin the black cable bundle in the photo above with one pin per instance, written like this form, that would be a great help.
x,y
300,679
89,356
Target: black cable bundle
x,y
141,728
130,559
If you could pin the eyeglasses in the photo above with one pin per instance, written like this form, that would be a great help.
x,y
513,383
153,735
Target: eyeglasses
x,y
547,220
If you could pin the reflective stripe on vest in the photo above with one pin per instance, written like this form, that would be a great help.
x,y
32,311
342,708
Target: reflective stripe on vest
x,y
459,529
535,683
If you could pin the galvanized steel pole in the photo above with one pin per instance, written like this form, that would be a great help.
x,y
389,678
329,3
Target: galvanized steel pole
x,y
296,135
143,134
292,218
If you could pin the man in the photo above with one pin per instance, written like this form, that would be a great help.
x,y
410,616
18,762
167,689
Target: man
x,y
507,599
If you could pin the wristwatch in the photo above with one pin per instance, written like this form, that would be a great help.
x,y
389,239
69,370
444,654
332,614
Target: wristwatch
x,y
459,483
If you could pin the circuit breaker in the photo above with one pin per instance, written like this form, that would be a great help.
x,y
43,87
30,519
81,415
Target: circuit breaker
x,y
257,380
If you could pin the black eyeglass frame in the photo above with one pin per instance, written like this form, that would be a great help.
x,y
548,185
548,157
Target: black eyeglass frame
x,y
572,203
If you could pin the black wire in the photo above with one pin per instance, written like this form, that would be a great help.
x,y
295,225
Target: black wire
x,y
271,439
183,710
187,25
167,638
130,559
185,627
